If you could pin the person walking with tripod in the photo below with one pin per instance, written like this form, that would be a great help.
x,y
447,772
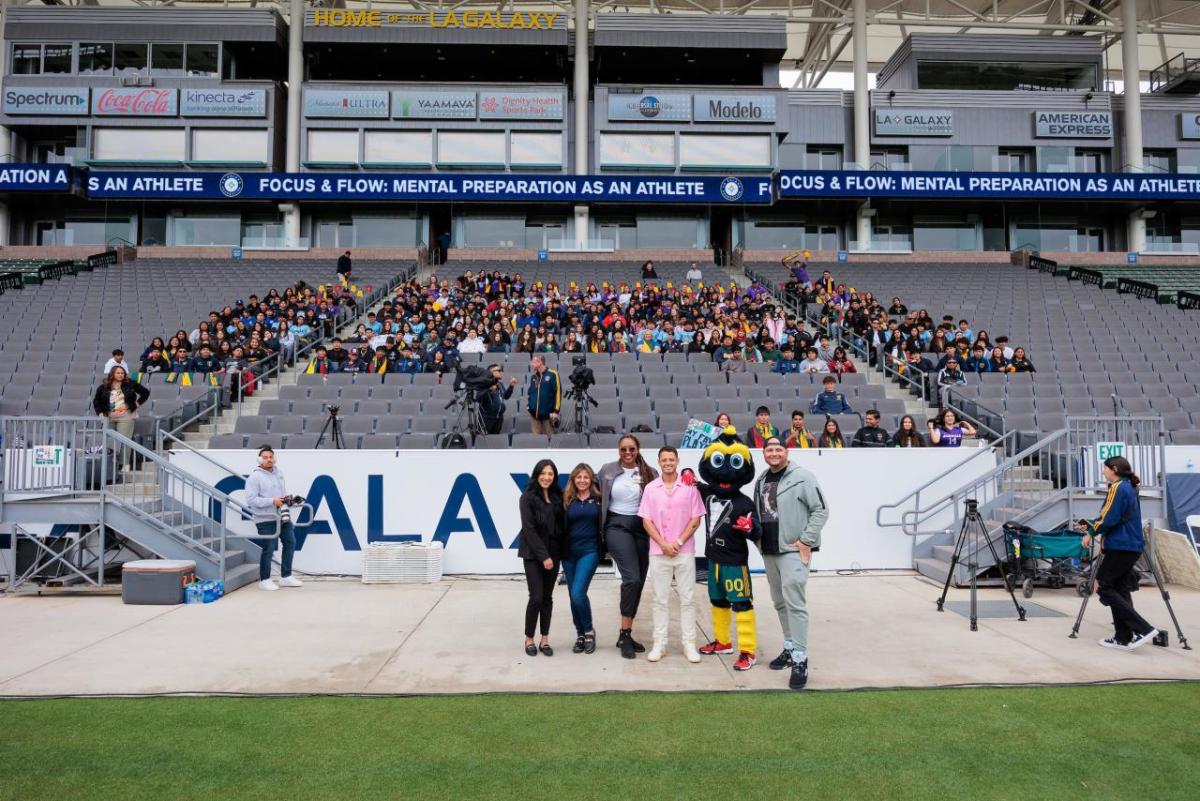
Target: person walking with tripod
x,y
1119,528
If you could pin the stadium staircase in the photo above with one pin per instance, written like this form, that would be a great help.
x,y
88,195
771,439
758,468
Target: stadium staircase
x,y
1044,486
72,472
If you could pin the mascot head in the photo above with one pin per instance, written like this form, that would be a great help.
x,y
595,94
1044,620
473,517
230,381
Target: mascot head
x,y
727,465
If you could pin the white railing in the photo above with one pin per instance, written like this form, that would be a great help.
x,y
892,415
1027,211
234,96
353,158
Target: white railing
x,y
586,246
1166,248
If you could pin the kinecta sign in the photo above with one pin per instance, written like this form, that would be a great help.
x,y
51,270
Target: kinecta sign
x,y
350,186
1072,124
349,18
468,500
224,103
1001,185
913,122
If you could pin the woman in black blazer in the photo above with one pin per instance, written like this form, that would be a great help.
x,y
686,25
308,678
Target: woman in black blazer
x,y
540,548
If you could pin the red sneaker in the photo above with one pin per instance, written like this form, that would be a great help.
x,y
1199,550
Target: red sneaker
x,y
716,647
745,661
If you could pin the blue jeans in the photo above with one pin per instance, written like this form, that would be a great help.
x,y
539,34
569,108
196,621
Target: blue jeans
x,y
287,537
579,569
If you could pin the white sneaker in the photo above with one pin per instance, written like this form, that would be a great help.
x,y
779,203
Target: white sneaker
x,y
657,652
1111,642
290,581
690,652
268,585
1141,639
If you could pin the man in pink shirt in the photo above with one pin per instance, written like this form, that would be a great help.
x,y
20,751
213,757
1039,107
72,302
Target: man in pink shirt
x,y
671,512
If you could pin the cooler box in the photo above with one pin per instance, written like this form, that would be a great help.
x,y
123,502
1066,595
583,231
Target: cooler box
x,y
155,581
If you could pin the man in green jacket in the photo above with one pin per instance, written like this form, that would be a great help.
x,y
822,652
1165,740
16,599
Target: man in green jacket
x,y
793,512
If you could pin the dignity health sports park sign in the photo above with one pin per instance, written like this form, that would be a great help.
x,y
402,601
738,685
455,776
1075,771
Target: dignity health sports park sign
x,y
990,185
467,500
355,186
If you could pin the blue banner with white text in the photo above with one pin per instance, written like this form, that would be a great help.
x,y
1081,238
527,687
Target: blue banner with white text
x,y
35,178
989,185
401,186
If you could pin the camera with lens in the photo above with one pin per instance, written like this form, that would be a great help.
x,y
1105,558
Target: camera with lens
x,y
581,376
474,378
333,410
285,513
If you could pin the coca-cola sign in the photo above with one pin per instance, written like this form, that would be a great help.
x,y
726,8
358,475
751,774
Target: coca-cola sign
x,y
135,102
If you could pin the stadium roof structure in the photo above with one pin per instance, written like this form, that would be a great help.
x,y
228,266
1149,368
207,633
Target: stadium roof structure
x,y
820,31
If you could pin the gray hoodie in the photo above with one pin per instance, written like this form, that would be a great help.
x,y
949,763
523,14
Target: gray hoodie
x,y
262,488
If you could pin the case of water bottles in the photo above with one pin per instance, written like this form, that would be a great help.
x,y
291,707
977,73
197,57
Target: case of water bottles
x,y
204,591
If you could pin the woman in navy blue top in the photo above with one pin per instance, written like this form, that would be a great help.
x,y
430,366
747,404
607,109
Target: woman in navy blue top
x,y
1120,528
582,502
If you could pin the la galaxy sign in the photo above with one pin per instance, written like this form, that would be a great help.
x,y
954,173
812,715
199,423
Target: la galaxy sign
x,y
517,20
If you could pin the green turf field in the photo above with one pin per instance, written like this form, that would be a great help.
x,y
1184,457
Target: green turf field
x,y
1116,742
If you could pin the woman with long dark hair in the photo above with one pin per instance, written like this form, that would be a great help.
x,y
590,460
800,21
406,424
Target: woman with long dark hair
x,y
118,398
621,485
540,547
581,503
831,435
907,436
1119,528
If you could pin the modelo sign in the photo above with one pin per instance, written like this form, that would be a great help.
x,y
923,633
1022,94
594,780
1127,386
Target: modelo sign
x,y
1072,124
45,100
224,103
733,108
913,122
135,102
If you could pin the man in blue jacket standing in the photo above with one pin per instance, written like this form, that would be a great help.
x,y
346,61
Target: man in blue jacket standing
x,y
545,397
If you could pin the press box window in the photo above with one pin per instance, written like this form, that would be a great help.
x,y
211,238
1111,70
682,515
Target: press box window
x,y
95,58
166,59
27,59
202,60
57,59
134,57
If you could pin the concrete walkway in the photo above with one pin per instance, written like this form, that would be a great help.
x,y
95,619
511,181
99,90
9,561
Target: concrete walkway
x,y
463,635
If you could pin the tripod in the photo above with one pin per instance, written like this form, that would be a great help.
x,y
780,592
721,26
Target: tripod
x,y
1161,637
974,528
583,423
333,426
468,418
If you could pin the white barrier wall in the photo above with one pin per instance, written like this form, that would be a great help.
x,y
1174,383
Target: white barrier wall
x,y
468,499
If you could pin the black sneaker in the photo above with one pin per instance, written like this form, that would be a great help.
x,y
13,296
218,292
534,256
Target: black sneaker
x,y
578,647
625,643
784,660
799,677
638,648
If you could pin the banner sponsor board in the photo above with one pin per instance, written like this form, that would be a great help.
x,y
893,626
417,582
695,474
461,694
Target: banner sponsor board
x,y
1072,124
332,103
135,102
913,122
224,103
468,501
521,105
733,108
655,106
354,186
411,104
993,185
46,100
1189,123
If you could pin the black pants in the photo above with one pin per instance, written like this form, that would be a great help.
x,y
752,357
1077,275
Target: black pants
x,y
541,595
1114,579
629,546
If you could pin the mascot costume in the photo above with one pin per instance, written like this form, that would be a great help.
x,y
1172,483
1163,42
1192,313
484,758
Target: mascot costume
x,y
732,522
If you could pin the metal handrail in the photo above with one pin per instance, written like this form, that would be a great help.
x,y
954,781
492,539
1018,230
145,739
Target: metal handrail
x,y
973,419
915,495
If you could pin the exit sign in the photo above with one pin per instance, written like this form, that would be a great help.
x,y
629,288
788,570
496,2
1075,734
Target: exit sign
x,y
1107,450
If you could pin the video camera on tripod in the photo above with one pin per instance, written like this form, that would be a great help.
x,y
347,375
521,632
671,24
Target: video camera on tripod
x,y
581,378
